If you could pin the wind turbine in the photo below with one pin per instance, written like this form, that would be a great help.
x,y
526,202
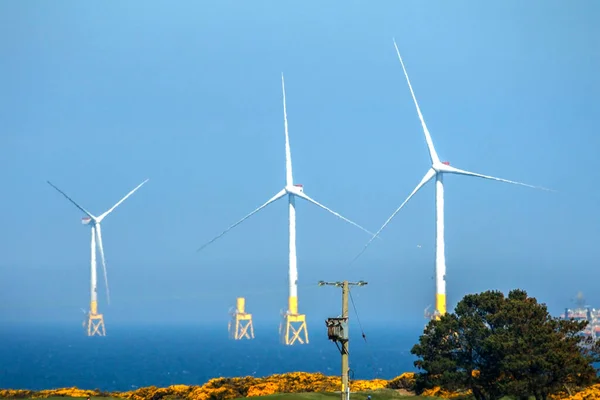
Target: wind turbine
x,y
437,170
293,326
95,325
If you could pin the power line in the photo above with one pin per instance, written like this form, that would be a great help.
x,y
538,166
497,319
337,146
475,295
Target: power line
x,y
362,331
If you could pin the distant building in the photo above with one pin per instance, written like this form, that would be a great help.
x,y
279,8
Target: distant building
x,y
584,313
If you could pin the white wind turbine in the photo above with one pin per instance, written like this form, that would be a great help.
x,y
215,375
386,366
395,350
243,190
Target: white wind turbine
x,y
96,320
438,169
292,191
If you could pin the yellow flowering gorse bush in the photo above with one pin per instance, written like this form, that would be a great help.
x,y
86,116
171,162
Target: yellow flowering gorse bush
x,y
219,388
295,382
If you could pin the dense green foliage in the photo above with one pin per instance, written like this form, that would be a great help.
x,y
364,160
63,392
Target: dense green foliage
x,y
497,346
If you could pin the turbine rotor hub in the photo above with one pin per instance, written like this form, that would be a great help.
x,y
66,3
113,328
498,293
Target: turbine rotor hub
x,y
441,166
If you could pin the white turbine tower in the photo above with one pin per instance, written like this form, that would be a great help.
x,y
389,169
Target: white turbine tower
x,y
293,327
438,169
95,325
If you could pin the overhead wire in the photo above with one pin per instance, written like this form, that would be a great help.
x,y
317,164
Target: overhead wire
x,y
364,336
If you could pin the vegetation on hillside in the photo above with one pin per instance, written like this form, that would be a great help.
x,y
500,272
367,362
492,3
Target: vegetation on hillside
x,y
495,346
230,388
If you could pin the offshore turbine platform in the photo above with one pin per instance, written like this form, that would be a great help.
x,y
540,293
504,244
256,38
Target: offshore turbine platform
x,y
240,325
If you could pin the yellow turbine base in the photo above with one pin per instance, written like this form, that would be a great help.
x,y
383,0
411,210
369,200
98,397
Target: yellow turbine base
x,y
93,307
293,329
240,327
293,305
241,305
95,325
440,305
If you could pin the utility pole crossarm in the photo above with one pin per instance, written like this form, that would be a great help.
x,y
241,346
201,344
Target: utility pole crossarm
x,y
341,284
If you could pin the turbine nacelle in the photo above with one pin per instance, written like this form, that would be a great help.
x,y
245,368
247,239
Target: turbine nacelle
x,y
86,220
442,166
294,189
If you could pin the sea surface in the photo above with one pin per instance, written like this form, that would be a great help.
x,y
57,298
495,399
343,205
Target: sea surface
x,y
38,357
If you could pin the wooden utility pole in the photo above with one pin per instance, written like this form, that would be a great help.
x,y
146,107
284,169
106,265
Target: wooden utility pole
x,y
338,332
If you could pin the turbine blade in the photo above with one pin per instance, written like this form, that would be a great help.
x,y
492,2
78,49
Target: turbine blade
x,y
289,180
101,217
453,170
101,247
271,200
72,201
430,174
309,199
432,153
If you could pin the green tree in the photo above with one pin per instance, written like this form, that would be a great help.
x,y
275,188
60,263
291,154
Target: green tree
x,y
496,346
541,354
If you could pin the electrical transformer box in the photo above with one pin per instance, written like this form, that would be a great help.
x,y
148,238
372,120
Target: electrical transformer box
x,y
337,329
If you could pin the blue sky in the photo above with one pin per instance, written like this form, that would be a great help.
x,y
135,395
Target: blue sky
x,y
96,98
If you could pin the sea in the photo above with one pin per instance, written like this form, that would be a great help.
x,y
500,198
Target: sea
x,y
133,356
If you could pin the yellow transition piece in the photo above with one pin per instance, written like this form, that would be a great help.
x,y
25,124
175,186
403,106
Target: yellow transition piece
x,y
440,305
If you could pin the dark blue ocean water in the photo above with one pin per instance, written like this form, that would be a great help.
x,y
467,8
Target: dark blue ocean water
x,y
39,357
